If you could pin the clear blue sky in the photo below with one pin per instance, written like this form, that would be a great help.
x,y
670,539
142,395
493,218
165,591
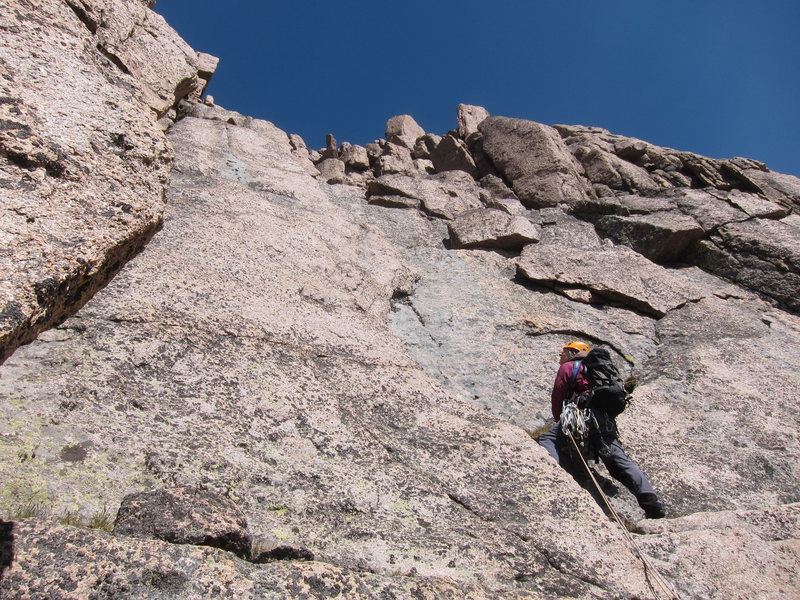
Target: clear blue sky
x,y
716,77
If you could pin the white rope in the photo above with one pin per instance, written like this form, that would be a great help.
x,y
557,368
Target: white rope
x,y
648,566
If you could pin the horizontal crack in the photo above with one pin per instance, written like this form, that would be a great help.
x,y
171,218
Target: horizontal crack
x,y
594,341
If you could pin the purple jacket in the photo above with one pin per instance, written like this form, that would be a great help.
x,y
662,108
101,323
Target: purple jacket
x,y
564,386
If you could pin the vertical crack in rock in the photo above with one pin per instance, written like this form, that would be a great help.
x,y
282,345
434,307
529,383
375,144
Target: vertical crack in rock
x,y
82,12
115,60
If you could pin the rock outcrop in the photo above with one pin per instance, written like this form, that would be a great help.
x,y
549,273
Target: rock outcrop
x,y
185,515
85,165
329,365
535,160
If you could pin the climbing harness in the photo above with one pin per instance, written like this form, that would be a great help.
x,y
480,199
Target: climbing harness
x,y
649,569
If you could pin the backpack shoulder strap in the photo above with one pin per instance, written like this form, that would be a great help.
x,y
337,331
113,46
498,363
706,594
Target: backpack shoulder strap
x,y
576,368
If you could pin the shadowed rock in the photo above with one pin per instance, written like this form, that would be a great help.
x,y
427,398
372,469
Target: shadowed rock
x,y
761,255
663,237
451,154
425,145
355,157
185,515
394,159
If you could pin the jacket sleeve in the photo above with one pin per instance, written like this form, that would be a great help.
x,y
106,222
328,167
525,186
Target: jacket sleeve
x,y
561,389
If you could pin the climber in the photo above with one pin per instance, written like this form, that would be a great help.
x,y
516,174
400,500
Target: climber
x,y
571,382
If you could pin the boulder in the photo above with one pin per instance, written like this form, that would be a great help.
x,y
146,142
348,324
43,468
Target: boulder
x,y
663,237
206,67
355,157
331,149
425,145
451,154
491,228
185,515
331,170
615,273
469,118
511,206
496,187
403,131
424,166
483,161
534,159
395,159
605,168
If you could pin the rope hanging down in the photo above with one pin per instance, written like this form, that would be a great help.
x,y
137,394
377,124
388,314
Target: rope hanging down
x,y
649,569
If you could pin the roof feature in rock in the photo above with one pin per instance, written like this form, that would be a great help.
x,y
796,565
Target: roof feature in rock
x,y
615,273
443,195
491,228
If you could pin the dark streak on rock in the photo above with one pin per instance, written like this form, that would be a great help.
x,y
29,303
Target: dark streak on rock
x,y
83,16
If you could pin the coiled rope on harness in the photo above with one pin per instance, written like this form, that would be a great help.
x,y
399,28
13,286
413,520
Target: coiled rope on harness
x,y
576,421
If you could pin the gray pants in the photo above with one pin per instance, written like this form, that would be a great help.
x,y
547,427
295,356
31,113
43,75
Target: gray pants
x,y
619,465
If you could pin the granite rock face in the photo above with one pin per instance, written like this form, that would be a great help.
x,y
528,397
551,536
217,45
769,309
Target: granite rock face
x,y
119,567
322,429
342,380
731,216
83,164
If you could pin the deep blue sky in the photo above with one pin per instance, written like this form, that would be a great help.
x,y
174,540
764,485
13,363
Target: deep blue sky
x,y
716,77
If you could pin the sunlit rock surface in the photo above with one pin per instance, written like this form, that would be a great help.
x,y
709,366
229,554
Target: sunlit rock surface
x,y
350,387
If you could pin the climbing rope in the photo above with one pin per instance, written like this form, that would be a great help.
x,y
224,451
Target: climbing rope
x,y
649,569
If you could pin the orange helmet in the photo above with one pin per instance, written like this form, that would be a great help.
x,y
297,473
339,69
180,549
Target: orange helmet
x,y
579,346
